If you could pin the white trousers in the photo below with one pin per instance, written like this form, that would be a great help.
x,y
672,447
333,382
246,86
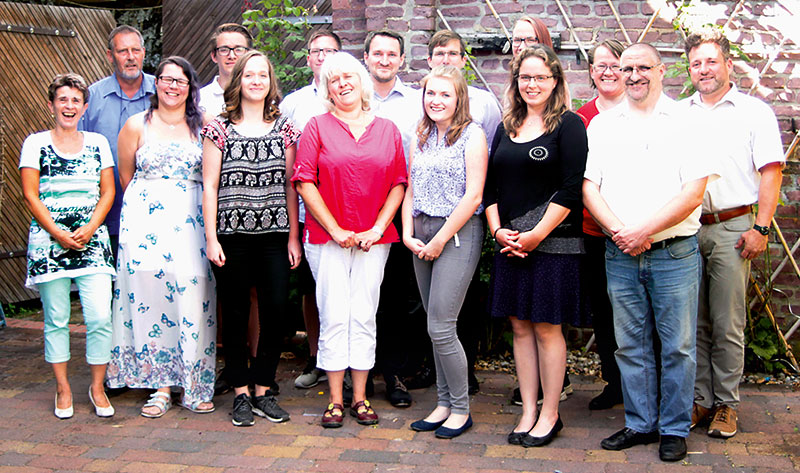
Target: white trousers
x,y
348,289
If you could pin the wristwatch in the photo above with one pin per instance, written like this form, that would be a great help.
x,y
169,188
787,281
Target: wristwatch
x,y
762,230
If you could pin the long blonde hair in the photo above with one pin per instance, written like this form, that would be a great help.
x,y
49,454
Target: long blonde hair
x,y
557,104
461,117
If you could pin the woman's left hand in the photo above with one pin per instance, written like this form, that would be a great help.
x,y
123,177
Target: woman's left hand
x,y
295,253
365,240
431,251
83,234
530,240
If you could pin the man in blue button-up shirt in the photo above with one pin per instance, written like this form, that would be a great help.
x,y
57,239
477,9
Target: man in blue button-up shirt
x,y
115,98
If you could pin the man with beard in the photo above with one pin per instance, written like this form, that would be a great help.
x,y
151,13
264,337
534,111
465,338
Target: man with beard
x,y
113,99
745,134
645,188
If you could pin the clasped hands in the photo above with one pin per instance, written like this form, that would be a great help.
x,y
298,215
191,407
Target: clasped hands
x,y
518,244
76,240
632,241
423,251
348,239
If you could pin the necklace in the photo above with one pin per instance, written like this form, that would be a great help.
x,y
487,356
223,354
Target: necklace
x,y
170,125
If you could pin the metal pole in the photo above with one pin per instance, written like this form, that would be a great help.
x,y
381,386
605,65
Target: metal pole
x,y
775,324
497,17
733,13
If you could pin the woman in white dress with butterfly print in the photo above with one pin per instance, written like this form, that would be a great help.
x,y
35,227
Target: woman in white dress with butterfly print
x,y
164,304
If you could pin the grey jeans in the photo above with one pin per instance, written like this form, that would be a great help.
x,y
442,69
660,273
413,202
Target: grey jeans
x,y
443,284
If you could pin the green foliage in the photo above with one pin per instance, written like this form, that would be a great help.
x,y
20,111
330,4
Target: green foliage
x,y
692,15
578,103
273,31
469,72
148,21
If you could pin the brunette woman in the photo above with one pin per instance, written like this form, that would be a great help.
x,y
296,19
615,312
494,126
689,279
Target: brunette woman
x,y
533,201
250,213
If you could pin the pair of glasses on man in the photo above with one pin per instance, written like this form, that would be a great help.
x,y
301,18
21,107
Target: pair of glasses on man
x,y
326,51
226,50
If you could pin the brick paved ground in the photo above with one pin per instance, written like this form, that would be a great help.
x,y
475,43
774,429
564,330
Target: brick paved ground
x,y
32,439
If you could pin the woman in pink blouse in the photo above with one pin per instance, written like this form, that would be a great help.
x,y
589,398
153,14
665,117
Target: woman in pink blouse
x,y
351,173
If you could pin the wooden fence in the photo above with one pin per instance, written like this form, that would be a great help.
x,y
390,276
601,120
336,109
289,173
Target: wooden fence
x,y
36,43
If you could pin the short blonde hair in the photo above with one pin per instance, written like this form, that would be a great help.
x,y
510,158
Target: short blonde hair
x,y
344,62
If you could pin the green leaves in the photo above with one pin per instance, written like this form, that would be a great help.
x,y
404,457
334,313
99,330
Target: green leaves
x,y
274,31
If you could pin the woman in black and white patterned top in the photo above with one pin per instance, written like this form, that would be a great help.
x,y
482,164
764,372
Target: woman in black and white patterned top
x,y
251,224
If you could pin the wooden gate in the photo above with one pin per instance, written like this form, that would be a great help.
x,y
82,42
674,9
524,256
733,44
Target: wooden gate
x,y
36,43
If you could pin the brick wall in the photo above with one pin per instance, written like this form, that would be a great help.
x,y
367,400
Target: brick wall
x,y
758,27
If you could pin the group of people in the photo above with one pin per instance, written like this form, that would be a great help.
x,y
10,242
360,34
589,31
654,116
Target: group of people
x,y
363,180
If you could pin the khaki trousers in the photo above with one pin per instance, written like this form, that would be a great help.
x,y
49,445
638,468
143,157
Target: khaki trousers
x,y
722,313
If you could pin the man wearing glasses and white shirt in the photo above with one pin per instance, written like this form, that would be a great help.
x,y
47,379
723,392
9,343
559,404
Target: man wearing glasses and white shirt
x,y
228,42
645,188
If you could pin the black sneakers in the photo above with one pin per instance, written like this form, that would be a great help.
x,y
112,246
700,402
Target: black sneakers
x,y
396,392
242,411
267,406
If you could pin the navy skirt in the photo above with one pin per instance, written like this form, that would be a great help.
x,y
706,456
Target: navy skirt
x,y
543,287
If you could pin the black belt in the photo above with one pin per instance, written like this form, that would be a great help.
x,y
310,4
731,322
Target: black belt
x,y
660,245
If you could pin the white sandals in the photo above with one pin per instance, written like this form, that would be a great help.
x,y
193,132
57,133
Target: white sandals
x,y
159,400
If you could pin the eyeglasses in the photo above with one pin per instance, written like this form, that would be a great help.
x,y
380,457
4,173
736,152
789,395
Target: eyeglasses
x,y
173,80
450,54
534,79
602,68
317,51
226,50
642,70
529,41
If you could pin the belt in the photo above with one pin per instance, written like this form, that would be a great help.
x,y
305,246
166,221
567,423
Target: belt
x,y
660,245
718,217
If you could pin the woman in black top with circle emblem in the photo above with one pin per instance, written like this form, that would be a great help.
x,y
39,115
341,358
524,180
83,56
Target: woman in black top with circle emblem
x,y
533,207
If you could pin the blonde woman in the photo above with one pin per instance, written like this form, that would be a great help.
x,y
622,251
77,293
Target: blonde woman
x,y
351,173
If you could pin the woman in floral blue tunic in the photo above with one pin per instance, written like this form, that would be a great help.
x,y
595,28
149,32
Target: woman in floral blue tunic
x,y
68,184
164,304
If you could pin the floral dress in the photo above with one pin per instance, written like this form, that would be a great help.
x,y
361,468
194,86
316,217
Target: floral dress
x,y
164,306
69,186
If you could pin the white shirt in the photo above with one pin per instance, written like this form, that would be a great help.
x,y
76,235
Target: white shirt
x,y
744,134
211,97
641,163
302,105
485,111
403,106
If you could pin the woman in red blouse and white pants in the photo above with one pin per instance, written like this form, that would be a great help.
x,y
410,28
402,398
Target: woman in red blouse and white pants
x,y
351,173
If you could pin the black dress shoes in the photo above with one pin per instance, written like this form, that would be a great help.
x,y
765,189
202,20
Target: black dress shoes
x,y
396,392
672,448
627,438
607,399
530,441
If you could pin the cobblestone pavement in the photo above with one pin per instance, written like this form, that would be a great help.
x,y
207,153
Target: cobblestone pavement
x,y
33,440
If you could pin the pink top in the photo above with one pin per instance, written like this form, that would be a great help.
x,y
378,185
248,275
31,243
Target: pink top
x,y
353,176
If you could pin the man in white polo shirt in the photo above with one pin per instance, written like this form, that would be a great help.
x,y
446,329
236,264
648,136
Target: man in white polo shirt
x,y
644,187
228,42
744,133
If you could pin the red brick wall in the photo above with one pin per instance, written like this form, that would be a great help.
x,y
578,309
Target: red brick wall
x,y
758,27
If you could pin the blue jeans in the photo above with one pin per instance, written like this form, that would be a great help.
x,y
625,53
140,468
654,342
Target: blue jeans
x,y
658,288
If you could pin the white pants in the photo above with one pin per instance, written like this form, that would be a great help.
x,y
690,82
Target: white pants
x,y
348,289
